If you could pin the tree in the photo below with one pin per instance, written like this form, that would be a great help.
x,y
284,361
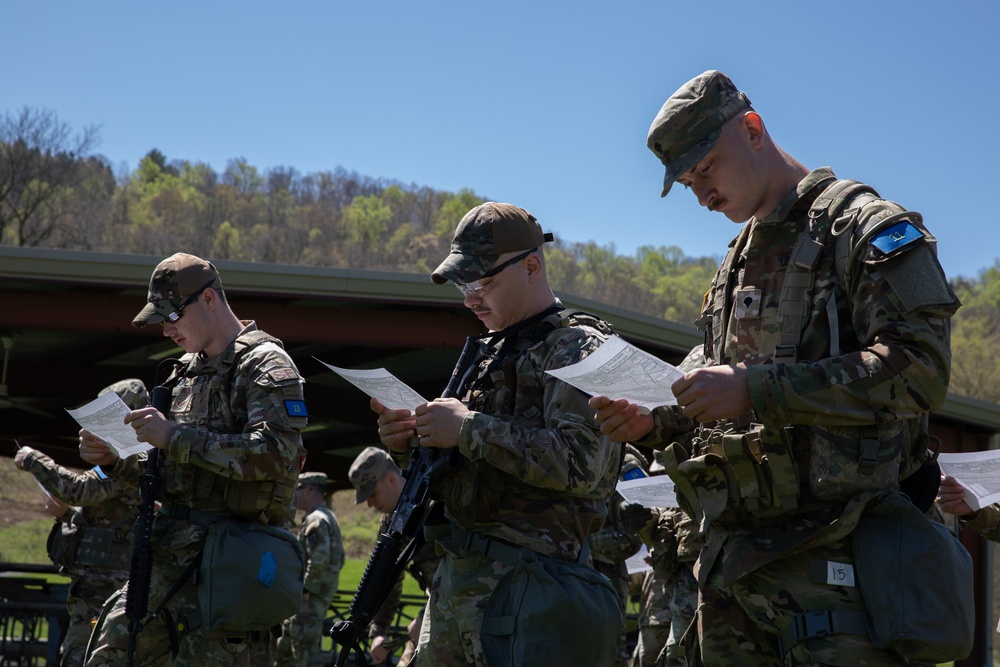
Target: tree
x,y
40,159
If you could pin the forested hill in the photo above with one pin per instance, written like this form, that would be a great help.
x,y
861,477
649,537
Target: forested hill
x,y
55,191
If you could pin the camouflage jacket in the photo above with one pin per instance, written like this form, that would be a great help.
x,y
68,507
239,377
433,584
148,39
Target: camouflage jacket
x,y
103,503
536,471
235,431
896,356
320,537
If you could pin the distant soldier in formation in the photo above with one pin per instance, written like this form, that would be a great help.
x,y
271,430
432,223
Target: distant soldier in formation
x,y
302,633
92,544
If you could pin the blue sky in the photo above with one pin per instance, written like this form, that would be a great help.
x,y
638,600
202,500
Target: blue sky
x,y
542,104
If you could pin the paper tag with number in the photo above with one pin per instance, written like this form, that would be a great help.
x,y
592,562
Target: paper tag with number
x,y
839,574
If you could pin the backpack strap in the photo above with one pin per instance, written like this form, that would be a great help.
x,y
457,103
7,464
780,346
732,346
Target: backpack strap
x,y
795,302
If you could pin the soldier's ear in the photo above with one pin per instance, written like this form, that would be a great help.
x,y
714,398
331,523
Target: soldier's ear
x,y
754,126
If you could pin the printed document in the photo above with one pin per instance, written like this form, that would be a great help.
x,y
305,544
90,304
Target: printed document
x,y
656,491
978,472
105,418
618,369
379,383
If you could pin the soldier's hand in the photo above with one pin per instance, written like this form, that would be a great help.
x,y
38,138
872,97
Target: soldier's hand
x,y
620,419
951,497
55,507
439,423
636,518
95,451
378,650
23,452
710,394
395,427
151,427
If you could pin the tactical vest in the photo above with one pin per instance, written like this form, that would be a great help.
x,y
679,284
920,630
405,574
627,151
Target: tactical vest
x,y
267,501
99,548
472,492
750,471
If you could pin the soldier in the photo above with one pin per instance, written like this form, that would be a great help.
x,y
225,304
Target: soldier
x,y
613,544
532,469
378,483
230,447
302,633
826,330
99,532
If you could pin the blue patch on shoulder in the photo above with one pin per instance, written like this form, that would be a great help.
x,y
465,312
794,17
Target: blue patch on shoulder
x,y
893,238
296,408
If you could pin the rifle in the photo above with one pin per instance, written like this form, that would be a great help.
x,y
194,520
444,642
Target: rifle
x,y
141,568
405,534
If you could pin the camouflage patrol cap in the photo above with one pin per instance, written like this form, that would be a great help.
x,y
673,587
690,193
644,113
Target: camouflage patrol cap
x,y
132,392
317,479
175,282
367,469
691,120
484,233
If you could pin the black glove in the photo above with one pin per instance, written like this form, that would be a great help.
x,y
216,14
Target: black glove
x,y
635,517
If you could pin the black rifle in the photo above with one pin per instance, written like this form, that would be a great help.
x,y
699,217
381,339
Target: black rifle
x,y
141,568
405,534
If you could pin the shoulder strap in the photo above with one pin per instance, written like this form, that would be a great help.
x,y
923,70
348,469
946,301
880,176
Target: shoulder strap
x,y
824,218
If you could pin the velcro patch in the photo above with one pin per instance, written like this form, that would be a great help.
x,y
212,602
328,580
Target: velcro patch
x,y
282,373
296,408
893,238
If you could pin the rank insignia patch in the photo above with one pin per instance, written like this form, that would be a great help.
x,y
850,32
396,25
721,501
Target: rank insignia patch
x,y
893,238
296,408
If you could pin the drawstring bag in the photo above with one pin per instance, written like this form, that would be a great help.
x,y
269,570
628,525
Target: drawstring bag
x,y
548,612
916,579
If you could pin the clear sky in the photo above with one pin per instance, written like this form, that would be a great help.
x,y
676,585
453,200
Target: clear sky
x,y
544,104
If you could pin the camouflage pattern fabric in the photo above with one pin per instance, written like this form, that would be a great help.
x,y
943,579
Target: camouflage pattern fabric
x,y
682,603
449,634
654,619
617,573
895,367
103,503
237,430
536,472
986,522
301,634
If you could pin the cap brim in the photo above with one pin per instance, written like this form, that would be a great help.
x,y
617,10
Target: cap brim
x,y
460,268
688,160
150,314
361,496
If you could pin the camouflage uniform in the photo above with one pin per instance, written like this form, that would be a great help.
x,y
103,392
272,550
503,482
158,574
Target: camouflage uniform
x,y
534,472
683,595
986,522
239,419
101,526
319,534
612,545
757,571
107,506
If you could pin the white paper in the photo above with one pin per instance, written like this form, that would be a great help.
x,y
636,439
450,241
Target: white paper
x,y
637,561
978,472
379,383
618,369
105,418
656,491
